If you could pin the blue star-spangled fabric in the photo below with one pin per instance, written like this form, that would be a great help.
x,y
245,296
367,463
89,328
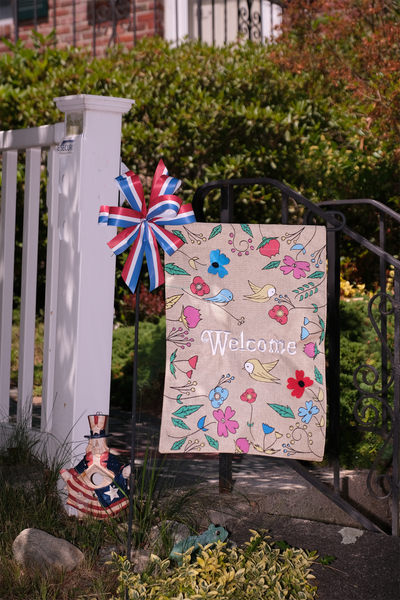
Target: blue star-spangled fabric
x,y
112,494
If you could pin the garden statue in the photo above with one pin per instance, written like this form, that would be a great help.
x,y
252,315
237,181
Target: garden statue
x,y
213,535
97,485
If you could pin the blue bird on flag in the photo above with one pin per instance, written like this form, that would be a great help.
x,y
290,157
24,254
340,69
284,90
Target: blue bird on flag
x,y
222,298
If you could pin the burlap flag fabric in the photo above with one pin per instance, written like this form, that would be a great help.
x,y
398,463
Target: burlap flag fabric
x,y
246,322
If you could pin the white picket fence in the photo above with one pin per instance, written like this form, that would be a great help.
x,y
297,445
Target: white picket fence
x,y
82,157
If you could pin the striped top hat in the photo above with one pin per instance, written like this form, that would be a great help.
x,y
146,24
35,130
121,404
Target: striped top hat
x,y
98,423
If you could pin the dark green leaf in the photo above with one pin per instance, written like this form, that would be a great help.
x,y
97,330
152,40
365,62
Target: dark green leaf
x,y
283,411
316,275
179,423
177,445
246,229
213,443
180,235
272,265
215,231
185,411
173,269
172,369
318,376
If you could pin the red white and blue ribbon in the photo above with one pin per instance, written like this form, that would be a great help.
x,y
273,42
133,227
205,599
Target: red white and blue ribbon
x,y
142,227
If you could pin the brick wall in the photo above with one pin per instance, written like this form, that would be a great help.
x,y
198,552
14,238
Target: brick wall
x,y
65,24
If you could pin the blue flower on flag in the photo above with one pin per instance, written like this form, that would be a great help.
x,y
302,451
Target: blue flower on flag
x,y
218,396
304,333
267,429
308,412
218,260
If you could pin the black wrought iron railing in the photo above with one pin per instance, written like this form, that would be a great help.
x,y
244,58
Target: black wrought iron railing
x,y
212,21
377,408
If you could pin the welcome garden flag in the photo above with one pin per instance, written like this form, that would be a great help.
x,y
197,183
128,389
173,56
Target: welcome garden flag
x,y
246,321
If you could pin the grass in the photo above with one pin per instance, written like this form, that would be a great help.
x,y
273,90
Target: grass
x,y
29,499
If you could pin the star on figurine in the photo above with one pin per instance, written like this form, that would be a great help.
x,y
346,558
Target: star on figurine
x,y
112,492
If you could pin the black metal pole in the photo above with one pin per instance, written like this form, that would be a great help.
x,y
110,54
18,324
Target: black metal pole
x,y
133,425
213,20
225,459
134,21
54,22
94,26
16,27
176,22
74,22
199,23
333,376
383,306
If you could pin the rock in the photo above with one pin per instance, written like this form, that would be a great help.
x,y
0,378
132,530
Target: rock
x,y
105,554
40,550
172,530
140,560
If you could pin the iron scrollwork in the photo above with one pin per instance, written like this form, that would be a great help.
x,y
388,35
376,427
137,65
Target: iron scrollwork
x,y
116,12
249,21
383,482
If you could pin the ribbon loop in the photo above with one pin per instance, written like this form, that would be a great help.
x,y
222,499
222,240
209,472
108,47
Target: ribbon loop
x,y
142,228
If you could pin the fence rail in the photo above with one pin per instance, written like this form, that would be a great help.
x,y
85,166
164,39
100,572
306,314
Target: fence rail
x,y
40,147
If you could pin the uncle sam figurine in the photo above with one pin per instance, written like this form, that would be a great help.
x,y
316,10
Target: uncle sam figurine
x,y
97,485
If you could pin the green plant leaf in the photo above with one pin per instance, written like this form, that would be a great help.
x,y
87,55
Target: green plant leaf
x,y
213,443
179,423
177,445
180,235
185,411
272,265
178,399
173,269
172,369
315,308
316,275
322,324
283,411
246,229
326,560
318,376
216,231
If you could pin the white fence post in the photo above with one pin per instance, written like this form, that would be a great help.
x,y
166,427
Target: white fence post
x,y
88,166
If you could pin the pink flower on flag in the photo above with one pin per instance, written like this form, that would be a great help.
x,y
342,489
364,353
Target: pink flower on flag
x,y
192,316
193,361
199,287
297,267
242,446
224,421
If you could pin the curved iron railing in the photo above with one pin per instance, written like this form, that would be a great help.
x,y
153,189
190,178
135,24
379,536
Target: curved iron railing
x,y
382,420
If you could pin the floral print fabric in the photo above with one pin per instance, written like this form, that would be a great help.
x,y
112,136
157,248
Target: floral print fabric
x,y
246,323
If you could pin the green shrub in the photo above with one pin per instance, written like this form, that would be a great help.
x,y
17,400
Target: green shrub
x,y
151,365
360,345
257,571
211,113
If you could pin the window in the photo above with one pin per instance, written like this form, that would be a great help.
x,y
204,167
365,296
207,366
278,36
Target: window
x,y
26,9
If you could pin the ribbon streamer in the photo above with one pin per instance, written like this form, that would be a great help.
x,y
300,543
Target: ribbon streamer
x,y
143,227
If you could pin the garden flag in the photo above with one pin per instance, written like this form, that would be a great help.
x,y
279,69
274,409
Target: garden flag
x,y
246,322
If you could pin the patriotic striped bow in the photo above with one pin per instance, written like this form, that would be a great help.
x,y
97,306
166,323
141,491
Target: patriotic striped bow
x,y
144,228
